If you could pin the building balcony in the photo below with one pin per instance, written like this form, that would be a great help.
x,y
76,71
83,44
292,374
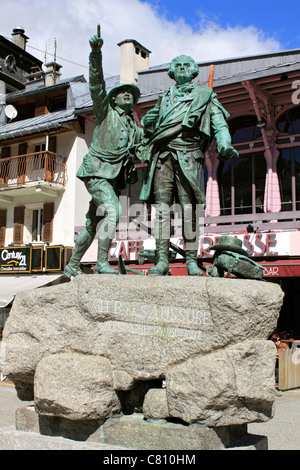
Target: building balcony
x,y
33,171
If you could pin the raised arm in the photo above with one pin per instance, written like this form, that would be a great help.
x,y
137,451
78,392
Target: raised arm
x,y
96,77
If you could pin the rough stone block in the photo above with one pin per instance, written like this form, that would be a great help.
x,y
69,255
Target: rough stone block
x,y
134,432
75,386
232,386
155,404
96,345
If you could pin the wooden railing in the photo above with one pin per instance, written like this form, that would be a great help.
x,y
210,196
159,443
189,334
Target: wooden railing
x,y
32,167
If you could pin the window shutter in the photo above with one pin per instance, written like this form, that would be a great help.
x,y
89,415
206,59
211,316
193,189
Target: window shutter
x,y
5,152
48,213
3,213
52,143
19,224
23,148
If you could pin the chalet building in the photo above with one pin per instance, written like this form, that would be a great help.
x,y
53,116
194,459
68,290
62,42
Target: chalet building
x,y
255,197
41,144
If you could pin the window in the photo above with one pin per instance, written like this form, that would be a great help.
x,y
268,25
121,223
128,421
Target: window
x,y
39,148
242,184
244,129
48,215
37,225
289,122
3,214
288,168
57,104
18,225
225,180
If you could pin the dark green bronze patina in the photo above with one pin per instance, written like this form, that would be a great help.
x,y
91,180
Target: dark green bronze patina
x,y
177,133
108,165
230,257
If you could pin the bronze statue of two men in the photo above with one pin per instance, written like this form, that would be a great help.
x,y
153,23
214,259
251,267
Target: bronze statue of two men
x,y
175,136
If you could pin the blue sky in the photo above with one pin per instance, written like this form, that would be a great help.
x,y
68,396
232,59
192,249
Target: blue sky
x,y
277,19
207,30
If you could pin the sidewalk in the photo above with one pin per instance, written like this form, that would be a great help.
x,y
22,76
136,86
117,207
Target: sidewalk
x,y
283,431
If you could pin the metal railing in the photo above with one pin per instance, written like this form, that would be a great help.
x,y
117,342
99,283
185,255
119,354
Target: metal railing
x,y
32,167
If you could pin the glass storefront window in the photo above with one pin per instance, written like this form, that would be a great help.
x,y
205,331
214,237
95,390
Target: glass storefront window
x,y
260,170
297,176
288,168
289,122
225,186
242,184
285,171
244,129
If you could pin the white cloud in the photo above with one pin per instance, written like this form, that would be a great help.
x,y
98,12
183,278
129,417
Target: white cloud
x,y
73,22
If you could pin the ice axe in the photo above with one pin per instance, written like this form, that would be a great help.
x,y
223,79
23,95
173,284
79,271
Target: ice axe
x,y
124,270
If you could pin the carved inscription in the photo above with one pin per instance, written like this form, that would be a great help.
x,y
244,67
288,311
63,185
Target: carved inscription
x,y
155,320
153,313
160,331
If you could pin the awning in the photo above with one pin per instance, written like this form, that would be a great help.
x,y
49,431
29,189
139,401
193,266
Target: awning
x,y
281,268
10,285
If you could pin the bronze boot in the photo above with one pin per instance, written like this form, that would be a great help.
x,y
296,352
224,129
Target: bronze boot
x,y
191,263
73,268
102,265
83,242
162,263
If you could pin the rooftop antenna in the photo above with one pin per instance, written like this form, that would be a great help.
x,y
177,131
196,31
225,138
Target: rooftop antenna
x,y
54,60
55,49
45,56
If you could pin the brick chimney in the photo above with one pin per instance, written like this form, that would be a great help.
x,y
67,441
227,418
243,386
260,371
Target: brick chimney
x,y
134,57
19,38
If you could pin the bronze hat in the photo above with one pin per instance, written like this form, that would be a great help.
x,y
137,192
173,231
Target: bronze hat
x,y
229,243
125,86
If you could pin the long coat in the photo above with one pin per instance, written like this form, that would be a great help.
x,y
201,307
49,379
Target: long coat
x,y
185,110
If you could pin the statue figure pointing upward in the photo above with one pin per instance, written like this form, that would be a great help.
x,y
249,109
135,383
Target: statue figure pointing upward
x,y
178,132
108,165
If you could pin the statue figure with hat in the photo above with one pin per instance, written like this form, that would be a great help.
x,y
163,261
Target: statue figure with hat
x,y
108,165
230,257
177,133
